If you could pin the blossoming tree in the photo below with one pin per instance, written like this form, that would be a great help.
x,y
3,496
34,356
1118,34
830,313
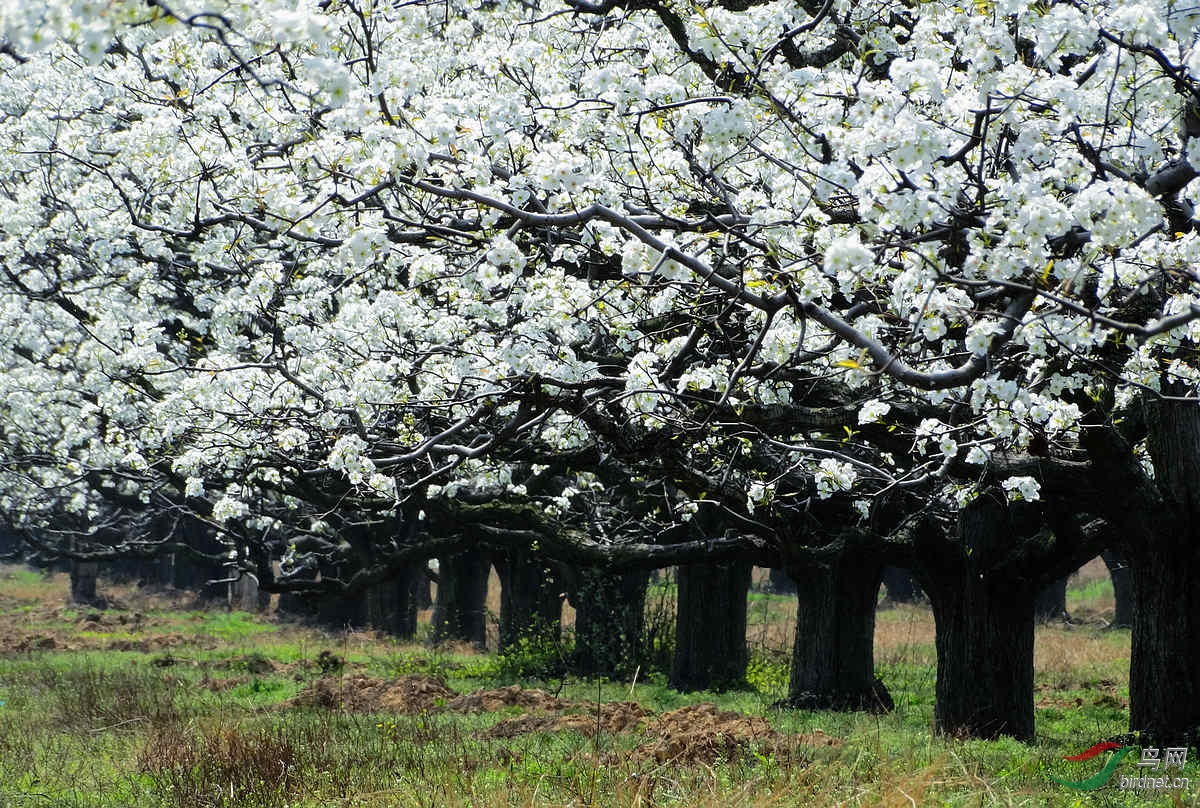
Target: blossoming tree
x,y
272,264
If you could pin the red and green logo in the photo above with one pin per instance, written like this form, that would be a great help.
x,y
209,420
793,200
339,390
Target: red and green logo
x,y
1105,774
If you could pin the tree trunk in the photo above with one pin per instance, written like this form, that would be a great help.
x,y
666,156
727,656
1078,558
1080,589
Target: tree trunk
x,y
460,612
1050,604
422,591
900,586
781,583
1164,691
530,599
833,659
609,618
342,612
984,625
246,593
392,605
710,626
83,582
1122,585
298,604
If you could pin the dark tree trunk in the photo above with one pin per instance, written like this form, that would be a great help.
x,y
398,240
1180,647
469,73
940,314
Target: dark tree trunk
x,y
83,582
422,590
530,598
984,623
900,586
342,612
193,573
1122,585
264,600
609,621
781,583
392,605
710,626
165,570
1164,690
460,612
298,604
833,659
1050,604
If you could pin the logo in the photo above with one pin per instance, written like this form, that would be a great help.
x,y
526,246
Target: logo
x,y
1176,756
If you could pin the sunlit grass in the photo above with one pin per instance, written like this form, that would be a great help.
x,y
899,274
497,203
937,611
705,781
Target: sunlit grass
x,y
205,721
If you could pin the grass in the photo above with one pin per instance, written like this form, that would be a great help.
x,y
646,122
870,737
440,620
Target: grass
x,y
182,707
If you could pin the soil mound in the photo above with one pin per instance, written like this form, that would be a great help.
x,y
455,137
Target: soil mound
x,y
486,701
409,695
614,718
701,733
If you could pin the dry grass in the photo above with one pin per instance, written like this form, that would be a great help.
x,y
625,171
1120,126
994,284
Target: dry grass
x,y
20,586
121,729
1066,653
905,634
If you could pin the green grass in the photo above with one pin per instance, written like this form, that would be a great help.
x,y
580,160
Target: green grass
x,y
205,720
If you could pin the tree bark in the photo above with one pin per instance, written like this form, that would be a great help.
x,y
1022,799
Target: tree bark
x,y
609,621
900,587
983,611
1164,691
342,612
460,612
833,658
1050,604
392,605
530,598
83,582
422,590
781,583
710,626
1122,585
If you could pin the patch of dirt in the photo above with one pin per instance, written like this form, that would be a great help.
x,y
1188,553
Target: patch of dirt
x,y
487,701
220,685
409,695
702,733
25,643
523,725
154,643
689,735
614,718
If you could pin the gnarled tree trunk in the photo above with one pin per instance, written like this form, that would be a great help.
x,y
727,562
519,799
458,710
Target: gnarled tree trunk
x,y
609,620
1050,604
83,582
710,626
530,598
900,586
460,612
392,605
833,659
780,582
1164,690
1122,586
983,611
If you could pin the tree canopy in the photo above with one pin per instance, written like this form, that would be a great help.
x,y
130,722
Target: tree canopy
x,y
295,268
